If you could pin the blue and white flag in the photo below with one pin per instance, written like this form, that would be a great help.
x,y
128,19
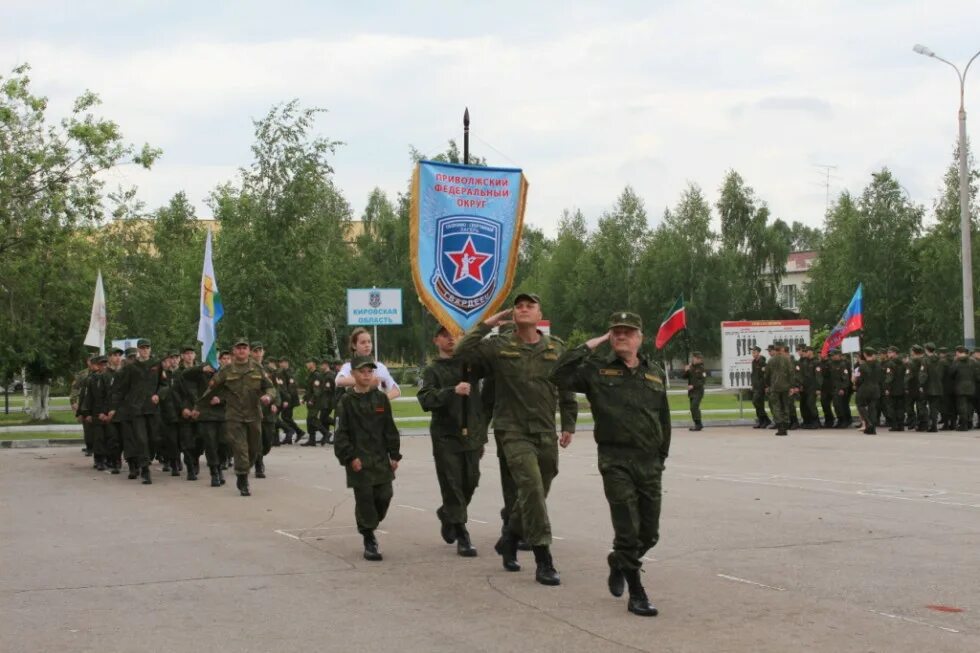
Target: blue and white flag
x,y
465,231
211,309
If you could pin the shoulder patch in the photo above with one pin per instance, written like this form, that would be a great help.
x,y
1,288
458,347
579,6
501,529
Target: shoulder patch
x,y
652,377
607,371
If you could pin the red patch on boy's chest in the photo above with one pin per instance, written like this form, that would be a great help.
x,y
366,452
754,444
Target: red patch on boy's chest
x,y
379,409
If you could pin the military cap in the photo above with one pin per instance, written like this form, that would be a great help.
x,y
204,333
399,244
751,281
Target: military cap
x,y
779,343
336,361
257,344
439,330
130,351
142,342
363,361
961,349
696,354
284,358
943,350
173,353
869,351
530,296
917,349
224,352
188,348
756,348
98,360
835,350
931,346
892,349
625,319
241,341
116,350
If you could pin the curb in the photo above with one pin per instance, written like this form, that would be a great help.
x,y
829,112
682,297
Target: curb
x,y
37,444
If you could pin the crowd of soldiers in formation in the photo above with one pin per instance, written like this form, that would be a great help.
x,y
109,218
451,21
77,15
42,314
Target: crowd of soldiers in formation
x,y
138,409
926,389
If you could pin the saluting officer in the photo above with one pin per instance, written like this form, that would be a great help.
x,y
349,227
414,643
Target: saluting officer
x,y
632,430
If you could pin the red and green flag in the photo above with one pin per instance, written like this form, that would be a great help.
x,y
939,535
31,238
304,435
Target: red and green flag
x,y
675,321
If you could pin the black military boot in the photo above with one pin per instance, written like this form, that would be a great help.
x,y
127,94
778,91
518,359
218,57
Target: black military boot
x,y
506,547
166,466
242,484
446,530
617,581
638,604
546,574
697,426
145,473
191,470
310,441
175,467
221,475
371,547
327,439
114,466
781,429
289,438
260,468
215,481
100,463
133,472
464,547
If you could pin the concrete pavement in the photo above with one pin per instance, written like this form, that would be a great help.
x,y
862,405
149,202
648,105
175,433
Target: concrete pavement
x,y
821,541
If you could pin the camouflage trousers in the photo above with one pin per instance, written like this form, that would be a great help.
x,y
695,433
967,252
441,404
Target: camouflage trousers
x,y
532,459
244,439
371,505
631,481
458,473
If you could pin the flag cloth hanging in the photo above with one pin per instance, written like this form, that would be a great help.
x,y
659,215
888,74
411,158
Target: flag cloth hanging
x,y
675,321
464,234
211,309
852,320
97,323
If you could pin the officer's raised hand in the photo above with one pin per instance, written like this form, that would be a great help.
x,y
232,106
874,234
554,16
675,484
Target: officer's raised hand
x,y
499,318
598,340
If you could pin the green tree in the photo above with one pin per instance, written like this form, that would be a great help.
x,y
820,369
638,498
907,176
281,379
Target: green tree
x,y
281,256
754,251
870,239
50,185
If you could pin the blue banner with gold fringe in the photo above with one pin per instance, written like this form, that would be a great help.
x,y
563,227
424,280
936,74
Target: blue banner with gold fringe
x,y
465,232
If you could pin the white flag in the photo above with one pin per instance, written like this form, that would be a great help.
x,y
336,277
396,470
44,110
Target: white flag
x,y
211,309
96,325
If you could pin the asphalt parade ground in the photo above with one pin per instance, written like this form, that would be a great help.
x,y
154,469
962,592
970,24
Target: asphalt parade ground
x,y
820,541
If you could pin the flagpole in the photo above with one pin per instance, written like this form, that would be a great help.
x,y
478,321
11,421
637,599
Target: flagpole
x,y
464,415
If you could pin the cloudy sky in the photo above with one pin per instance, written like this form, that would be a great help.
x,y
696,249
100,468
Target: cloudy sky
x,y
586,97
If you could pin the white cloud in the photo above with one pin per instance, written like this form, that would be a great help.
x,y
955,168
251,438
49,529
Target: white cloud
x,y
682,93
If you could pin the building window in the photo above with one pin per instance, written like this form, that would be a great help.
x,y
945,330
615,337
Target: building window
x,y
788,297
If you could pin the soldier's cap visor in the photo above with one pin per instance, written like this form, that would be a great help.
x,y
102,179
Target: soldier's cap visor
x,y
257,345
242,341
130,351
188,348
360,362
527,296
142,342
625,319
756,348
116,350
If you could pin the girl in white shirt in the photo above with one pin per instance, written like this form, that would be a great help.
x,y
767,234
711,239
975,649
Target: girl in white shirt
x,y
362,345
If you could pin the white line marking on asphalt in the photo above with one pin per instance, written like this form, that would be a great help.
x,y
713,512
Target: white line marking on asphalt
x,y
402,505
648,559
320,487
914,621
479,521
751,582
555,537
295,537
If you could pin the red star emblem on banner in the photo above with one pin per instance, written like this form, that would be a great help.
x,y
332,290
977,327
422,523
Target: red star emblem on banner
x,y
468,262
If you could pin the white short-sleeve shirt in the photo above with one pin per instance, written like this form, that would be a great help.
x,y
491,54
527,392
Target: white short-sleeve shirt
x,y
387,383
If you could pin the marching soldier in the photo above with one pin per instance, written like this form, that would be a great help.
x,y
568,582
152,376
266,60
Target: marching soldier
x,y
269,411
457,445
779,386
931,384
290,391
759,388
128,396
825,389
868,382
91,405
807,370
524,409
76,397
632,432
326,400
695,375
963,373
894,386
208,423
916,409
947,408
242,386
311,396
170,415
841,371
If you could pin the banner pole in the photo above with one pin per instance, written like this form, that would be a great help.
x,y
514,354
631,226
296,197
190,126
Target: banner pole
x,y
464,416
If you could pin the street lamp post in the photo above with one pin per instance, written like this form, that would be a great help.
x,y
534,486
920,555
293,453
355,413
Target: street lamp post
x,y
966,249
